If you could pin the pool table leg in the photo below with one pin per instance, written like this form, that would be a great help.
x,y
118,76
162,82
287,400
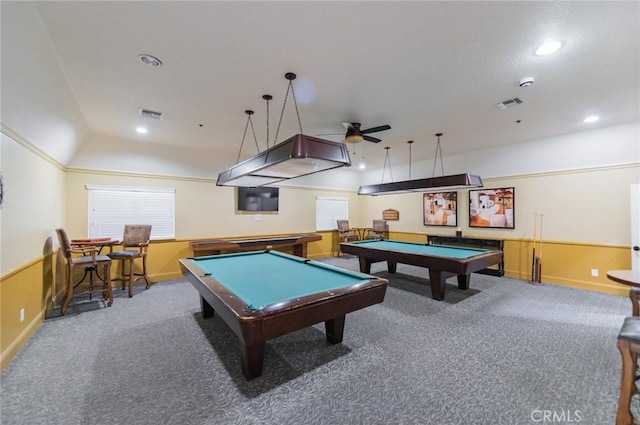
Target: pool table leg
x,y
463,281
205,308
391,266
252,358
334,329
365,265
438,279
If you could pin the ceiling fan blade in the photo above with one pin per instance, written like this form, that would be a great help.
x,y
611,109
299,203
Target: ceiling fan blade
x,y
371,139
376,129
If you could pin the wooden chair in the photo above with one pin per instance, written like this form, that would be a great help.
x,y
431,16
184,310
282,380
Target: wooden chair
x,y
88,260
378,230
134,245
345,234
629,346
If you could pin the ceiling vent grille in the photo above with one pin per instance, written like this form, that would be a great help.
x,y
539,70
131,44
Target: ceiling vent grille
x,y
509,103
147,113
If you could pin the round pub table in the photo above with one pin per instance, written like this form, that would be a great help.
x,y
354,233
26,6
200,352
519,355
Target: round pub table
x,y
626,277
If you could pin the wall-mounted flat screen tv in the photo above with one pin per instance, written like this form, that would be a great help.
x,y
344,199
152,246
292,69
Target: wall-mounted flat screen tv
x,y
258,198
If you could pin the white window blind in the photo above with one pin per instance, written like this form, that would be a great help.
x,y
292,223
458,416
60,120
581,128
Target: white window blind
x,y
111,207
328,210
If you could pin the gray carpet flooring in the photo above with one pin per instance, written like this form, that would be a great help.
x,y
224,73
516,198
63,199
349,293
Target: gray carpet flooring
x,y
503,352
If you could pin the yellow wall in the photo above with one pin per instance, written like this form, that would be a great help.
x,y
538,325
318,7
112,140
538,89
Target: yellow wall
x,y
590,206
26,288
33,207
204,210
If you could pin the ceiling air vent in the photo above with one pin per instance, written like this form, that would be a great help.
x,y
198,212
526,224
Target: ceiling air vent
x,y
147,113
509,103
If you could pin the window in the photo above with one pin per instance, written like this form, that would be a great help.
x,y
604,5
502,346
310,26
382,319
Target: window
x,y
328,210
111,207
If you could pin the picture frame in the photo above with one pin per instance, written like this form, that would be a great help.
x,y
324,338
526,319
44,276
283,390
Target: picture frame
x,y
492,208
440,209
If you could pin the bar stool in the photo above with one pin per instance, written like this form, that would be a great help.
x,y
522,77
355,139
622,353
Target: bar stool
x,y
379,230
344,233
89,259
634,295
134,245
629,346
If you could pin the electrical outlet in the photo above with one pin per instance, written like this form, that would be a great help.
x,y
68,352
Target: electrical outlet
x,y
22,315
594,272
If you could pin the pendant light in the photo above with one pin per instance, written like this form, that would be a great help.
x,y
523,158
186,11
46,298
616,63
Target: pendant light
x,y
432,184
297,156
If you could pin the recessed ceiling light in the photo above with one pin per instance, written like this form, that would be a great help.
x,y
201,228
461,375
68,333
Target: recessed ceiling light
x,y
152,61
548,48
592,118
142,130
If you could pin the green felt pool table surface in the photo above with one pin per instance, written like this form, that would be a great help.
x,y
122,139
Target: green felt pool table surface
x,y
261,279
423,249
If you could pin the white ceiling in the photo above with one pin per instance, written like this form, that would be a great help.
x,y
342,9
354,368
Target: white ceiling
x,y
422,67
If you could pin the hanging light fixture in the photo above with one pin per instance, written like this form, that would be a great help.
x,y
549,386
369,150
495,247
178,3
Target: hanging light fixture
x,y
297,156
244,135
353,138
387,161
432,184
267,98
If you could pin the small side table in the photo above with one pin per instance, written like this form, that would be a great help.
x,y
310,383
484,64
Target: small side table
x,y
362,231
626,277
100,243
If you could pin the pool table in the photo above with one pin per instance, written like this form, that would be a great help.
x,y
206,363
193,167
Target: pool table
x,y
442,261
262,295
298,242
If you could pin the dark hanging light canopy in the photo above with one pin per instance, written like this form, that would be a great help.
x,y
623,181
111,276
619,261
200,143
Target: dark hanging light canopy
x,y
297,156
432,184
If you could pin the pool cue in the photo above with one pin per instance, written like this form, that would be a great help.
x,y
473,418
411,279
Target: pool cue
x,y
540,258
533,256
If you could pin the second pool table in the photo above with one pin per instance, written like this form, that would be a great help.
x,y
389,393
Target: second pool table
x,y
442,261
261,295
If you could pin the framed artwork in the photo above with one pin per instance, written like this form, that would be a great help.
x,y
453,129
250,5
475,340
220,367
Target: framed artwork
x,y
440,209
492,208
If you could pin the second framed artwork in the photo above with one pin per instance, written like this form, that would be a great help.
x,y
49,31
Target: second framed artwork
x,y
440,209
492,208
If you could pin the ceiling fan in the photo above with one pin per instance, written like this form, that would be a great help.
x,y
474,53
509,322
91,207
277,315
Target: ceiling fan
x,y
356,135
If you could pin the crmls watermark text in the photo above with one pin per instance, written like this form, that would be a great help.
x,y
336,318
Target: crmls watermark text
x,y
556,416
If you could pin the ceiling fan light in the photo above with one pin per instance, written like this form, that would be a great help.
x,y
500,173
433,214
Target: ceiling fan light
x,y
353,138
